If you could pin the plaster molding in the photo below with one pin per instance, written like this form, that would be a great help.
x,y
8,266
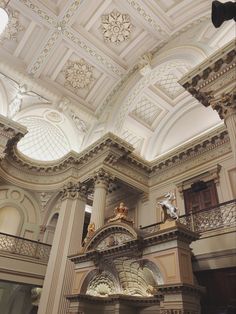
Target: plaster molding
x,y
209,79
116,27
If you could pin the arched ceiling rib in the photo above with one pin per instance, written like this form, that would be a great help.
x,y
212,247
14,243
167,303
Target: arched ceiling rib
x,y
107,65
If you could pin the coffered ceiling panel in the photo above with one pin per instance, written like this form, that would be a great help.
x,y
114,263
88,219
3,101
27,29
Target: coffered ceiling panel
x,y
108,65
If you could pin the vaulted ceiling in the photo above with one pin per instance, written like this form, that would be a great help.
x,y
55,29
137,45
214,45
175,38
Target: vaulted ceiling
x,y
73,70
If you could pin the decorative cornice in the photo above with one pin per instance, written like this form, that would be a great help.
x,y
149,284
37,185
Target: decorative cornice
x,y
181,288
74,191
118,158
132,247
107,142
135,301
201,81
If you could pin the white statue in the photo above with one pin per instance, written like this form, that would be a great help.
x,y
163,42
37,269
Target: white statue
x,y
169,209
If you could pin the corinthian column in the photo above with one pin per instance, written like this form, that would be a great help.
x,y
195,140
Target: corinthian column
x,y
101,179
67,241
225,105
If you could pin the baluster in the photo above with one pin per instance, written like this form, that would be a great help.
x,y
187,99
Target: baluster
x,y
36,250
192,220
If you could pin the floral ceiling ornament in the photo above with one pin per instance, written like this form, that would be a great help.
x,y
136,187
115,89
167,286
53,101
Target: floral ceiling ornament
x,y
116,27
78,74
13,27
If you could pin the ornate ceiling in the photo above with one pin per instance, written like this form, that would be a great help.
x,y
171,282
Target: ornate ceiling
x,y
78,69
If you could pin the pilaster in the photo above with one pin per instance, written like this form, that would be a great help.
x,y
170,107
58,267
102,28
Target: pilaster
x,y
67,241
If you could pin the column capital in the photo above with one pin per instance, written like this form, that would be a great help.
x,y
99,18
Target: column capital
x,y
74,191
10,133
225,104
102,177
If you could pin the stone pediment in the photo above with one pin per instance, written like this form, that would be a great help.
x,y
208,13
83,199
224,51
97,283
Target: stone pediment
x,y
111,235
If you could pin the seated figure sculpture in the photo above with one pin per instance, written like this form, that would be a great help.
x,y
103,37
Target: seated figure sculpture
x,y
121,213
90,232
170,211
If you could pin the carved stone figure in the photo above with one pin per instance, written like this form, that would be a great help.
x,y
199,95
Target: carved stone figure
x,y
170,211
90,232
121,212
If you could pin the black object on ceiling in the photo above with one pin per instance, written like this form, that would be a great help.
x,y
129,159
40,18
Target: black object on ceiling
x,y
222,12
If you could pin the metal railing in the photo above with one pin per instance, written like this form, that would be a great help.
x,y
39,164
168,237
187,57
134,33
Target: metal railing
x,y
25,247
219,216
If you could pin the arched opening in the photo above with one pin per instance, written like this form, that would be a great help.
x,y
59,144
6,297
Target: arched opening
x,y
10,220
50,229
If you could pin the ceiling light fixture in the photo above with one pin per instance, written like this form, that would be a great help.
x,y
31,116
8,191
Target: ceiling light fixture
x,y
4,18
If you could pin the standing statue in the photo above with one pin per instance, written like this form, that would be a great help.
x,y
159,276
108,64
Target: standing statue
x,y
170,211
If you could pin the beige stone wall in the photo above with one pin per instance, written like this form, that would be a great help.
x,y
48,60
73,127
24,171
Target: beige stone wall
x,y
150,212
19,212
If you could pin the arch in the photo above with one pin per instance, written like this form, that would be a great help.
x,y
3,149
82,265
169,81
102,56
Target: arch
x,y
99,283
185,54
27,207
65,123
102,237
50,228
157,268
157,274
11,220
3,100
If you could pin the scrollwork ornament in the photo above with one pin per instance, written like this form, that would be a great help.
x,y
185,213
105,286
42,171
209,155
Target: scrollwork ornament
x,y
73,191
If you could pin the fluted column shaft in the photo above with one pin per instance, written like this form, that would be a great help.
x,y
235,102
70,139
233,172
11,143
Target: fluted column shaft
x,y
230,123
67,241
102,180
225,105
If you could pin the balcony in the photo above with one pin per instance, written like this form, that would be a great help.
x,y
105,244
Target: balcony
x,y
23,260
215,248
217,217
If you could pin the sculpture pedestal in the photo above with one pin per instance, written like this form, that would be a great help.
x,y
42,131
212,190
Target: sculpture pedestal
x,y
170,224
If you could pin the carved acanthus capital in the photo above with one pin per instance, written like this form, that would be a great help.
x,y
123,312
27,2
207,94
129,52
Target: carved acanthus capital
x,y
10,133
102,177
74,191
225,105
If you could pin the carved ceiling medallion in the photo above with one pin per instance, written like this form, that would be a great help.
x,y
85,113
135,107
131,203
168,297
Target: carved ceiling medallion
x,y
78,74
13,27
116,27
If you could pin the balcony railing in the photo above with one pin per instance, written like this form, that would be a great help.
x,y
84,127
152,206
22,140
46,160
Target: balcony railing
x,y
25,247
220,216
